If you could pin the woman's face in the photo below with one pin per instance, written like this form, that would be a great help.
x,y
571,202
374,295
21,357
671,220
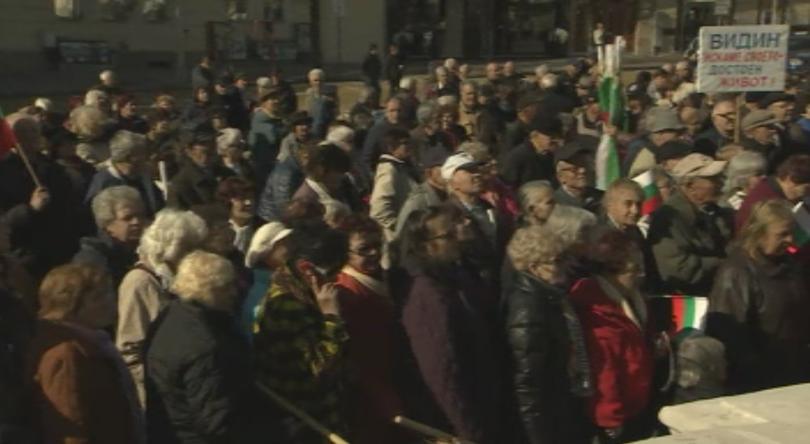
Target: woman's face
x,y
777,238
128,110
128,225
446,234
365,252
541,207
242,208
202,95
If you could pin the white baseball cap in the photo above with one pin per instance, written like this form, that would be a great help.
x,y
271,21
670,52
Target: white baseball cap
x,y
456,162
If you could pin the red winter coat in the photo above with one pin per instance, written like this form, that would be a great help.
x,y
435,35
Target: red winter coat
x,y
373,400
766,189
619,354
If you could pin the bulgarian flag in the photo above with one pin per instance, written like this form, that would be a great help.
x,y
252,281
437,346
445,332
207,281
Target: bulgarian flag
x,y
801,234
688,311
652,196
610,101
7,139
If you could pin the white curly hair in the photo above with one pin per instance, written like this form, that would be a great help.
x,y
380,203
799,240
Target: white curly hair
x,y
172,235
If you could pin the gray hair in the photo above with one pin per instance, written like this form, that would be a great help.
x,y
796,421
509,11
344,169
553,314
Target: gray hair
x,y
548,81
407,83
471,83
317,72
340,133
476,149
529,191
44,103
87,122
541,70
107,202
424,114
450,63
106,75
125,145
440,69
447,100
172,235
207,279
534,244
94,97
741,168
570,224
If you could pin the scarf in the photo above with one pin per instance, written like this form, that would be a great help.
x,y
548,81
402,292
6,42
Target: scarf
x,y
632,305
377,286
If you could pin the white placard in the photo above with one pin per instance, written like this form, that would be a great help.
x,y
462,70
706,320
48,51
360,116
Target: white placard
x,y
742,58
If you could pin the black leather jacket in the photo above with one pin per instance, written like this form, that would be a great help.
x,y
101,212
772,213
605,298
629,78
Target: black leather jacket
x,y
539,348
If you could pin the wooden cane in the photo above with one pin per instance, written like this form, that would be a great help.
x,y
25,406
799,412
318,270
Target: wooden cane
x,y
427,430
28,166
333,437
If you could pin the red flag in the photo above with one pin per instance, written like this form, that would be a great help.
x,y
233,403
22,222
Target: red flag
x,y
7,139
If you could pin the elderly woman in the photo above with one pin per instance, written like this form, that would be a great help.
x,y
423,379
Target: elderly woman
x,y
80,388
198,385
743,173
614,322
231,149
544,337
303,303
759,302
326,179
368,310
447,323
536,200
89,124
121,218
145,290
127,166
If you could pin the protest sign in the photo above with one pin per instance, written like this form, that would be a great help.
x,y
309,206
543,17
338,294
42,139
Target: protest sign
x,y
742,58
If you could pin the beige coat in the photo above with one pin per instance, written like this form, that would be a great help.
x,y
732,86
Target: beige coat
x,y
392,186
141,296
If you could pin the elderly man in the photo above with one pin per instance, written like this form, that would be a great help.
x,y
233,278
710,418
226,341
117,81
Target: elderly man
x,y
196,182
322,102
493,74
552,100
109,83
408,101
689,233
574,166
516,132
127,166
267,130
534,158
372,147
42,218
622,208
430,193
721,133
782,106
300,133
760,135
464,185
665,127
442,85
510,76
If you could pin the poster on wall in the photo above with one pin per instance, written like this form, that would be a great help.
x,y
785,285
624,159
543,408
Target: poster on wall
x,y
742,58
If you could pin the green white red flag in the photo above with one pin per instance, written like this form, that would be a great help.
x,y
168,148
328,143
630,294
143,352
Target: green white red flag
x,y
610,101
652,195
801,234
689,311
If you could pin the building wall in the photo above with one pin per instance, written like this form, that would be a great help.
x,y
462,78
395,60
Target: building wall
x,y
25,26
656,29
345,39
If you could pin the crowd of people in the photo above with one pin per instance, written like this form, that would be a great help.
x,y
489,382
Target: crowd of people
x,y
168,272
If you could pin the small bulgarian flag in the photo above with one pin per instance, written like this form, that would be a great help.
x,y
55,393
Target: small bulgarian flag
x,y
610,101
688,311
801,234
652,196
7,138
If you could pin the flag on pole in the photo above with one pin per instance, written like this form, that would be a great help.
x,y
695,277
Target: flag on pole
x,y
689,311
652,195
801,234
7,138
610,101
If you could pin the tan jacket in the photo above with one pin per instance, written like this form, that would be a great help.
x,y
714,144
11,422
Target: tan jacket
x,y
141,296
392,186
